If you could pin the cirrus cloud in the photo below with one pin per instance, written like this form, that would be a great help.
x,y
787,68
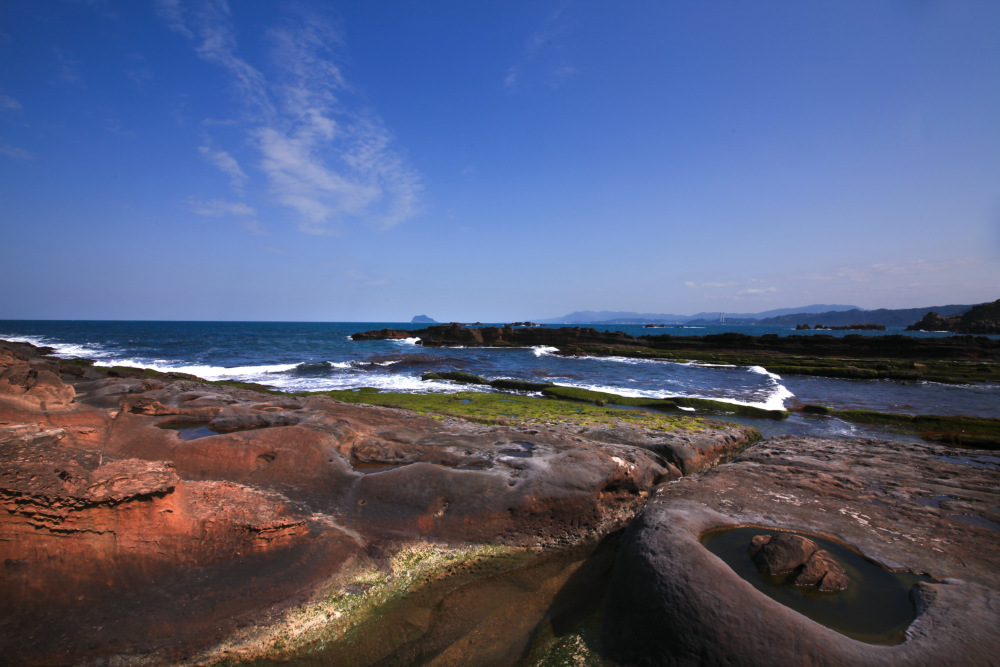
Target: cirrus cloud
x,y
323,154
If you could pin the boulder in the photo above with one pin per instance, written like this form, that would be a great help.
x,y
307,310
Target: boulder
x,y
781,553
824,572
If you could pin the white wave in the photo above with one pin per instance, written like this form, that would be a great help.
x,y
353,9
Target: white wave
x,y
775,401
686,409
631,361
763,371
544,350
63,350
388,383
204,372
407,341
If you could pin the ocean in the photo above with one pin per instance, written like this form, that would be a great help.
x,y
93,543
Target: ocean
x,y
318,356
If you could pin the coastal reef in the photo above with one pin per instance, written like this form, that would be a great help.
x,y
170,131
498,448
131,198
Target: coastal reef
x,y
955,359
154,517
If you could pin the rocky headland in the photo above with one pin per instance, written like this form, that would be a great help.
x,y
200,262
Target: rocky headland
x,y
981,319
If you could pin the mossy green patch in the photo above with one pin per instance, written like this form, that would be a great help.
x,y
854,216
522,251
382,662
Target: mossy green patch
x,y
361,593
673,403
961,431
515,410
950,371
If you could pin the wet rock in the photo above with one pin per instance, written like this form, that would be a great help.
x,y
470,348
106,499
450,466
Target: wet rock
x,y
786,552
824,572
781,553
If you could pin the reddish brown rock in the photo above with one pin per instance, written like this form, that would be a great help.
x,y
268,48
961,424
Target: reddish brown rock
x,y
36,387
118,536
823,572
781,553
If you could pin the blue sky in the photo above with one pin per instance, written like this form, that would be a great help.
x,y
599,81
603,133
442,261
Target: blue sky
x,y
370,161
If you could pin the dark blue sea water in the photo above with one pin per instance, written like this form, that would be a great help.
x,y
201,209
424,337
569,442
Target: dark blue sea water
x,y
297,356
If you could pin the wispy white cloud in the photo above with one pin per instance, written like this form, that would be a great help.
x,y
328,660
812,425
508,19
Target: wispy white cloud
x,y
758,290
217,208
707,285
367,280
330,161
226,163
8,102
542,56
873,273
254,228
14,151
138,69
69,69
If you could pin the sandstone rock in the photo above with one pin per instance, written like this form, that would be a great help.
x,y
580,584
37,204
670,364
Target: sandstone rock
x,y
823,572
32,386
118,533
690,452
781,553
672,602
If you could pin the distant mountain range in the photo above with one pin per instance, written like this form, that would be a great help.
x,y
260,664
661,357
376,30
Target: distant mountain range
x,y
623,317
826,314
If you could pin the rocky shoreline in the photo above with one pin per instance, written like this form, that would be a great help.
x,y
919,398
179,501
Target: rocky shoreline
x,y
891,357
156,518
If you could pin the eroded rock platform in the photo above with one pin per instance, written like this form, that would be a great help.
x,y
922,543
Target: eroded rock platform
x,y
921,508
120,539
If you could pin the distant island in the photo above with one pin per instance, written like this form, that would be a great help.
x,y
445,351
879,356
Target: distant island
x,y
422,319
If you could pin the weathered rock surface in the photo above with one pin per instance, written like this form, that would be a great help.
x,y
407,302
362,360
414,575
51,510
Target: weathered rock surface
x,y
689,451
121,538
916,507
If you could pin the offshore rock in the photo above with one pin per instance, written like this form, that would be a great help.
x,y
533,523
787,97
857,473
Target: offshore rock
x,y
917,507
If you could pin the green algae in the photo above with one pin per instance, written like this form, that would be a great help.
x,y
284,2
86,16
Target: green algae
x,y
960,431
516,410
673,403
365,592
509,607
949,371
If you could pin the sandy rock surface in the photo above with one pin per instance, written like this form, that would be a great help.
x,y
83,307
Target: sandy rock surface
x,y
121,538
923,508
